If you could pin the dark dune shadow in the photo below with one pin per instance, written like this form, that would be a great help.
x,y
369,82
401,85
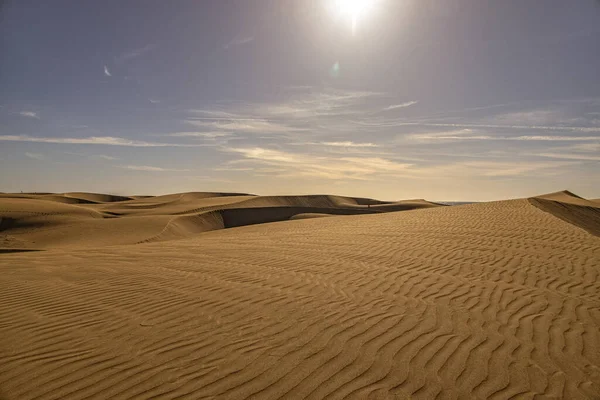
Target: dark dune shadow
x,y
2,251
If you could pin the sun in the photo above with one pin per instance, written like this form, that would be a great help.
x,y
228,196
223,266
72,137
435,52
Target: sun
x,y
353,10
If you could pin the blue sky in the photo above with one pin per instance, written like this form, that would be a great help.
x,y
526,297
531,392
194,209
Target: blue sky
x,y
460,100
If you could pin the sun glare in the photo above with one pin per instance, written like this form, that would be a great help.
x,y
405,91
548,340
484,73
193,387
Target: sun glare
x,y
353,10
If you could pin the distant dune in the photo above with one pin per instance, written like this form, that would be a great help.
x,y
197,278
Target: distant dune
x,y
91,219
235,296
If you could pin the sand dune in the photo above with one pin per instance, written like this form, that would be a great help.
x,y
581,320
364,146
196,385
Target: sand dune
x,y
92,219
572,209
565,197
491,300
96,197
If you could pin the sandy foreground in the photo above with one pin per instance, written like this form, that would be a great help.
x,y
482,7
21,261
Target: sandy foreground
x,y
207,296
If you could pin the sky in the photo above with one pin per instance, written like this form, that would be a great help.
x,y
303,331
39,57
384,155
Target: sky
x,y
463,100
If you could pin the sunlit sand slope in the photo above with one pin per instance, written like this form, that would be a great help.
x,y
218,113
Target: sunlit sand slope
x,y
494,300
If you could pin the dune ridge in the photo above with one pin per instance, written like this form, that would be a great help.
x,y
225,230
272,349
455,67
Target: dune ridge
x,y
494,300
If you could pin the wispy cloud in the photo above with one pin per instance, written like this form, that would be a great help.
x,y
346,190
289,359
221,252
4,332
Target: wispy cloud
x,y
455,134
300,104
326,103
286,164
105,157
577,151
90,156
35,156
469,134
401,105
348,144
239,40
344,148
135,53
556,138
207,135
478,142
97,140
205,114
312,112
584,148
149,168
245,125
229,168
477,169
107,71
29,114
503,169
581,129
281,164
567,156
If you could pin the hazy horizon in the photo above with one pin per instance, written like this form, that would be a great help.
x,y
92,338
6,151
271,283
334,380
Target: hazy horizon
x,y
468,101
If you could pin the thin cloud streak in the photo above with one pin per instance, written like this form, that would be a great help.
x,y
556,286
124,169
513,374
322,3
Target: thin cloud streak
x,y
348,144
91,156
35,156
465,135
211,114
105,157
256,126
149,168
29,114
97,140
584,147
494,126
561,156
558,138
239,41
206,135
402,105
509,169
135,53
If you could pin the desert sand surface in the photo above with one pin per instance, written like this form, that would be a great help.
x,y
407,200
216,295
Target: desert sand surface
x,y
235,296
